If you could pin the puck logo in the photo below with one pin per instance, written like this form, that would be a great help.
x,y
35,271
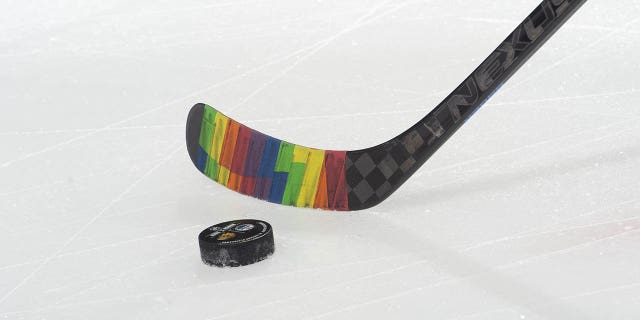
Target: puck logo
x,y
243,227
236,231
226,236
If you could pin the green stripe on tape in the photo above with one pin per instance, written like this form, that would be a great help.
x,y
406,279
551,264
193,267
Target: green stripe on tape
x,y
206,128
285,157
292,190
212,169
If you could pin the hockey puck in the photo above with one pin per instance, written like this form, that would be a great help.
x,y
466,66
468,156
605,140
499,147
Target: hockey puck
x,y
236,243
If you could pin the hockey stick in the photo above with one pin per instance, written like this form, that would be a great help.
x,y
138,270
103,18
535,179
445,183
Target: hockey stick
x,y
252,163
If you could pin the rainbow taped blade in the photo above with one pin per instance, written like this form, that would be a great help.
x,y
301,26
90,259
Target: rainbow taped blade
x,y
257,165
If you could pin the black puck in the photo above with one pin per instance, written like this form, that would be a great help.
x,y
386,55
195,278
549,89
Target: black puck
x,y
236,243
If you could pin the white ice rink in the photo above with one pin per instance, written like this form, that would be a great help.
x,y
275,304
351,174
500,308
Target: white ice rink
x,y
531,211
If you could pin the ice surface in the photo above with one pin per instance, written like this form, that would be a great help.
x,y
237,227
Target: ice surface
x,y
531,211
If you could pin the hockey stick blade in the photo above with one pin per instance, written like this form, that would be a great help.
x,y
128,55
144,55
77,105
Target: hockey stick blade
x,y
255,164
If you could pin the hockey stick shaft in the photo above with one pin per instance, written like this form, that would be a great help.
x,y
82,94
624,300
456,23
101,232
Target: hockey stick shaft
x,y
400,157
